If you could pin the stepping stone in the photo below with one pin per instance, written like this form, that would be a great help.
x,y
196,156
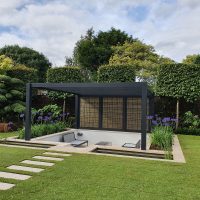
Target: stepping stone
x,y
48,158
56,154
28,169
31,162
6,186
14,176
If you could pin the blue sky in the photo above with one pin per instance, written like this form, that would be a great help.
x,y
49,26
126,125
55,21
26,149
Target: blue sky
x,y
53,26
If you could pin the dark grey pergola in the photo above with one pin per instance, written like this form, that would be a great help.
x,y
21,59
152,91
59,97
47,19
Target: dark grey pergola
x,y
136,89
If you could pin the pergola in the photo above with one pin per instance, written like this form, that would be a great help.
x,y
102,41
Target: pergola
x,y
124,91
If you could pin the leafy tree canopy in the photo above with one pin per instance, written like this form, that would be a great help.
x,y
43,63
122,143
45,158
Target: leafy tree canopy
x,y
192,59
28,57
92,50
138,54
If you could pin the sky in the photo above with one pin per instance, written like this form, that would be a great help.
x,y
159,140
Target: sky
x,y
52,27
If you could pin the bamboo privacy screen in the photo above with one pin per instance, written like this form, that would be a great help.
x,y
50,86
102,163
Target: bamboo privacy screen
x,y
89,112
134,113
112,113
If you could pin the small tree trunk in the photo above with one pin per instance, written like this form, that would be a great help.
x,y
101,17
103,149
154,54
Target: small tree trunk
x,y
177,113
64,105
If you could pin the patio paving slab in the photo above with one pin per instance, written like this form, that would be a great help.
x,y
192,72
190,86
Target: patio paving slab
x,y
27,169
6,186
56,154
31,162
14,176
48,158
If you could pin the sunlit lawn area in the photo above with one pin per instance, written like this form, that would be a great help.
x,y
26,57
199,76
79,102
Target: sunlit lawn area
x,y
102,177
9,134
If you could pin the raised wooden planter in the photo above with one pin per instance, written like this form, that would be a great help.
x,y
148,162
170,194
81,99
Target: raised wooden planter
x,y
3,127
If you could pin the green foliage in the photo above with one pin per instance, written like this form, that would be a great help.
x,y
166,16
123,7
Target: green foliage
x,y
162,138
192,59
63,75
5,63
29,58
140,55
43,129
116,73
179,81
191,121
10,97
23,73
54,109
188,131
92,50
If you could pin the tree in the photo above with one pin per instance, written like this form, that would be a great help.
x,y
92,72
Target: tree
x,y
10,97
63,75
5,63
192,59
138,54
29,58
92,50
179,81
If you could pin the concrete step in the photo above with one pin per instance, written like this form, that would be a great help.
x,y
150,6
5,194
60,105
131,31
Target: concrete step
x,y
6,186
14,176
56,154
48,158
31,162
27,169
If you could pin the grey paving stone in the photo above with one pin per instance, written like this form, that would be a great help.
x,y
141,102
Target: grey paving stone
x,y
27,169
56,154
14,176
48,158
31,162
6,186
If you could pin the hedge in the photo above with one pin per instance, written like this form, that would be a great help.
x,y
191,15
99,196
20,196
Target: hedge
x,y
64,75
23,73
188,131
179,81
116,73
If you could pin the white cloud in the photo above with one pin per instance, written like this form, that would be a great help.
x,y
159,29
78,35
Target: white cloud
x,y
53,27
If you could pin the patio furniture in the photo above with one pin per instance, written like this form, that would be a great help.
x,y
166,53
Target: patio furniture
x,y
104,143
70,138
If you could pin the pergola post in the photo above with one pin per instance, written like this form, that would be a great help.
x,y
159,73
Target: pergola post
x,y
28,111
77,111
144,117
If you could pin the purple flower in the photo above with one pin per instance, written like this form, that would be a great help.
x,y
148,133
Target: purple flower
x,y
154,122
166,119
40,118
46,118
10,124
149,117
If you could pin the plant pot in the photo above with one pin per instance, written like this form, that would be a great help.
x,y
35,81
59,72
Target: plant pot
x,y
3,127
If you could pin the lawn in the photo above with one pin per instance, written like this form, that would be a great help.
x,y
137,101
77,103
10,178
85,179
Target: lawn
x,y
102,177
9,134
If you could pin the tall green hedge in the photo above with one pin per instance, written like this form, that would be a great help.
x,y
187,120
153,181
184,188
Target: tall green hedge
x,y
116,73
179,81
64,75
23,73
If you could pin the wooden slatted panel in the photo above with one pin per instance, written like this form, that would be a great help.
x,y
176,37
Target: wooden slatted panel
x,y
134,113
89,112
112,112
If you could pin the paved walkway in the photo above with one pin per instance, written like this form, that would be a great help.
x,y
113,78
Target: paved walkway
x,y
41,162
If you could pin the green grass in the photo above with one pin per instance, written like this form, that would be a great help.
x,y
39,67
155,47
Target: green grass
x,y
102,177
8,134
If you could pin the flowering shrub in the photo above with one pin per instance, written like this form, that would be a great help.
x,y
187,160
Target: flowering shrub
x,y
159,121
